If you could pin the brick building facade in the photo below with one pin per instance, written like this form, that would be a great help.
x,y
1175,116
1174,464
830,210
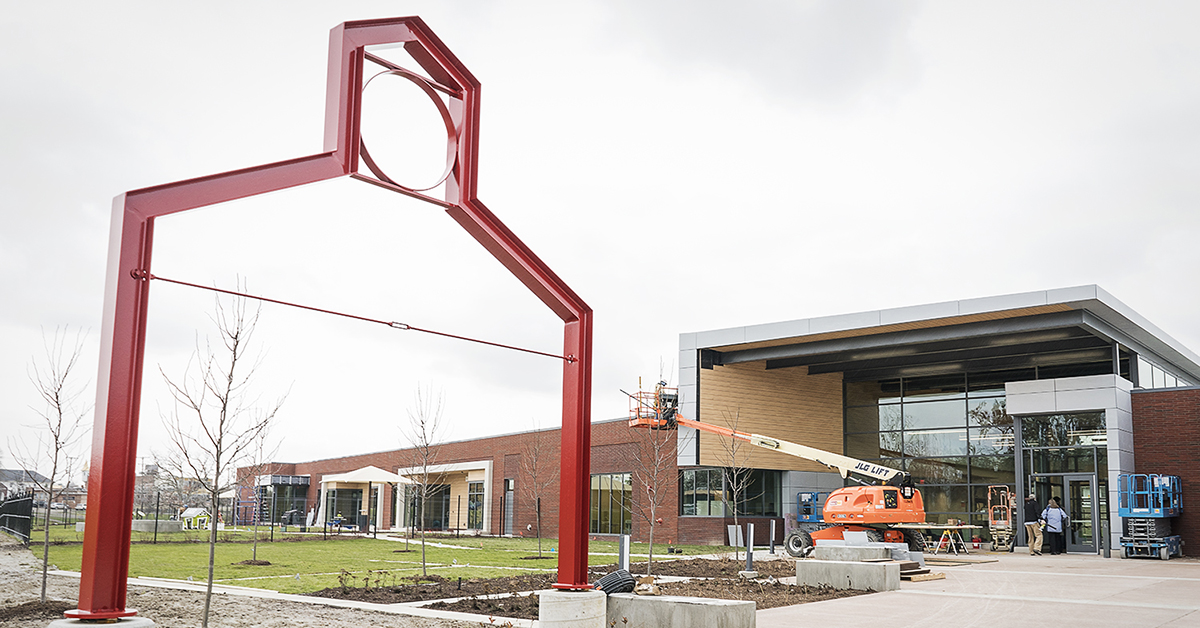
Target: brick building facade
x,y
1166,440
615,447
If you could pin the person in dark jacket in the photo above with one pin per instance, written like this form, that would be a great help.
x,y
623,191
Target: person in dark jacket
x,y
1033,525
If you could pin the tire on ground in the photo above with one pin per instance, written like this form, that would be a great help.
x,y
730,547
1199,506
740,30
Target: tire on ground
x,y
797,543
915,540
619,581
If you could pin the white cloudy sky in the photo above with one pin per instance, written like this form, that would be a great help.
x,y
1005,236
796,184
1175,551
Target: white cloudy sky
x,y
682,165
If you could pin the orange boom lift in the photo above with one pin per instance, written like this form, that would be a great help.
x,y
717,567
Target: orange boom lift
x,y
880,506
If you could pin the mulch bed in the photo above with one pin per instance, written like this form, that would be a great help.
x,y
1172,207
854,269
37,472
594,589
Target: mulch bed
x,y
36,613
724,585
439,588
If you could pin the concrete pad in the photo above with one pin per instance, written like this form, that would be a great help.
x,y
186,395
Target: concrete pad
x,y
1018,590
670,611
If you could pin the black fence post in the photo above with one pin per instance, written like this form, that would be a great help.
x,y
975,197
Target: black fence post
x,y
157,499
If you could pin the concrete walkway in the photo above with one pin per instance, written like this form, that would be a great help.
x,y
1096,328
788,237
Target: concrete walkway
x,y
1020,590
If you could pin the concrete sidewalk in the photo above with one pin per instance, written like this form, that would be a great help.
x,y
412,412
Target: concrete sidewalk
x,y
1021,590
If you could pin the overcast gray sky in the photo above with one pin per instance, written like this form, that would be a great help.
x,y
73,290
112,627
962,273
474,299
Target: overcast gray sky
x,y
682,165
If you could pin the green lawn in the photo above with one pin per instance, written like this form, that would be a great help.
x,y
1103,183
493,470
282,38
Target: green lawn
x,y
299,566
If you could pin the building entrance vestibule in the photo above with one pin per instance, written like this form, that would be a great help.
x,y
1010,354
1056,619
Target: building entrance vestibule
x,y
1078,496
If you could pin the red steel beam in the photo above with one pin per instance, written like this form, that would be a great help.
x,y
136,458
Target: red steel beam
x,y
105,568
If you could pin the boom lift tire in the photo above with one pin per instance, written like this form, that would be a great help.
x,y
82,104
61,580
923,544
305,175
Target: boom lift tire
x,y
874,536
1164,553
915,540
798,544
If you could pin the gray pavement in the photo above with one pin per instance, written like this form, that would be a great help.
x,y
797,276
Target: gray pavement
x,y
1019,590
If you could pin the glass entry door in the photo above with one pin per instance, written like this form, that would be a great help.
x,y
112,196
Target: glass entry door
x,y
1081,508
1077,494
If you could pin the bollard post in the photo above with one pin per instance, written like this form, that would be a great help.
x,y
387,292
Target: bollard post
x,y
749,547
1104,538
772,537
157,499
623,552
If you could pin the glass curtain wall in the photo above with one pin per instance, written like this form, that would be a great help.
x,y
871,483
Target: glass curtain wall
x,y
950,432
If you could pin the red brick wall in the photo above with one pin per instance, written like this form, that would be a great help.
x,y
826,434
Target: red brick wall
x,y
1166,440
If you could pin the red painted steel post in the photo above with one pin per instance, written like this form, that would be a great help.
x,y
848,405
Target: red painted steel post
x,y
575,483
114,438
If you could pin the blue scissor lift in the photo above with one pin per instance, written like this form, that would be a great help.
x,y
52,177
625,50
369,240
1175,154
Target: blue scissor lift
x,y
1148,502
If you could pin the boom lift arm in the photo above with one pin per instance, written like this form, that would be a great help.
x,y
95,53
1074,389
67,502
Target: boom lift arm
x,y
664,414
844,465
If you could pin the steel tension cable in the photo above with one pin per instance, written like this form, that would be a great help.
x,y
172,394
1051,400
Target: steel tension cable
x,y
140,274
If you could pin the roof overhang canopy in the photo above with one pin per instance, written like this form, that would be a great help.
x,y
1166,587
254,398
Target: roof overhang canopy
x,y
372,475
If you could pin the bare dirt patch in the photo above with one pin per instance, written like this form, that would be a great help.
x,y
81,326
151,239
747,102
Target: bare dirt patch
x,y
33,613
20,586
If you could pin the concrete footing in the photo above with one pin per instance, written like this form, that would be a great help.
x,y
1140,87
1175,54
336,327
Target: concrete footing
x,y
669,611
571,609
848,574
124,622
851,552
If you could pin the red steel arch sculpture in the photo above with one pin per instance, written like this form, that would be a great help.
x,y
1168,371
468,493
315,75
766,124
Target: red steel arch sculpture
x,y
102,587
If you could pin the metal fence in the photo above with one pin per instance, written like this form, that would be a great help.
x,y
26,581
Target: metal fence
x,y
16,516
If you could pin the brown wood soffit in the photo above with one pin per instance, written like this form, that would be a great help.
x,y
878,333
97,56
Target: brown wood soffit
x,y
895,327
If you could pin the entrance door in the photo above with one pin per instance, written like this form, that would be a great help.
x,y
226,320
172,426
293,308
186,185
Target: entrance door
x,y
1081,508
1077,495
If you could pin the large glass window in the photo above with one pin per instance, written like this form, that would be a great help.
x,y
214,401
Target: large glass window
x,y
706,493
344,504
1064,430
475,505
612,503
432,513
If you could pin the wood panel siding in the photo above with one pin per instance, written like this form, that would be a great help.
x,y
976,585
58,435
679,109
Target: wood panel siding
x,y
781,403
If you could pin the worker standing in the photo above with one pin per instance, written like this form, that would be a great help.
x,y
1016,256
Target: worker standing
x,y
1033,525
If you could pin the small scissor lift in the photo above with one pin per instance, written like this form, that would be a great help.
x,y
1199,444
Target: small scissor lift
x,y
1148,502
1000,517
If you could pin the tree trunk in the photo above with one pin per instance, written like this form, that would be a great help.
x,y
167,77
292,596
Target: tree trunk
x,y
45,553
212,554
424,570
650,559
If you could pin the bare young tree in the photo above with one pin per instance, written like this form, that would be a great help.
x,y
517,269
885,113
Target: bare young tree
x,y
60,429
537,475
216,421
259,464
654,472
735,462
423,434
